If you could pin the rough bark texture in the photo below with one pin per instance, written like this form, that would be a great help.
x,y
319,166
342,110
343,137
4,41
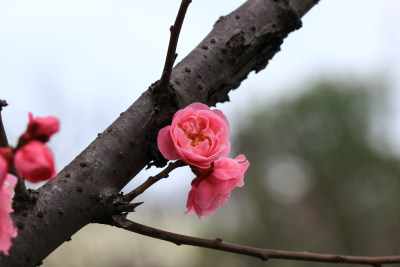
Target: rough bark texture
x,y
239,43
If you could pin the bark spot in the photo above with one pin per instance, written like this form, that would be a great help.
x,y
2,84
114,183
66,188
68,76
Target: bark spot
x,y
20,225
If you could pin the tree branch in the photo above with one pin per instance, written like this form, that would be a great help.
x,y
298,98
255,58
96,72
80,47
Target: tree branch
x,y
239,43
173,42
20,189
263,254
3,136
21,193
153,179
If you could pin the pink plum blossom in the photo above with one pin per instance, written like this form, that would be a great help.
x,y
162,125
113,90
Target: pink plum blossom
x,y
197,135
7,229
41,128
34,162
3,169
211,188
5,158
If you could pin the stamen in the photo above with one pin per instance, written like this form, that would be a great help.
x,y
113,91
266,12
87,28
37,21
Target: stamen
x,y
197,138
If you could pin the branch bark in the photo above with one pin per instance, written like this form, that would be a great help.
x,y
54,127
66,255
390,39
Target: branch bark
x,y
3,136
239,43
261,253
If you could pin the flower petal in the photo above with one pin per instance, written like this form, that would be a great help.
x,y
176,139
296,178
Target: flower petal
x,y
7,229
165,144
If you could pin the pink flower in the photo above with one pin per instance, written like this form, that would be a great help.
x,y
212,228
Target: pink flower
x,y
3,169
41,128
197,135
34,162
7,229
211,188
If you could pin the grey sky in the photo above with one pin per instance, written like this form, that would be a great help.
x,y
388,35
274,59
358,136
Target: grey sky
x,y
87,61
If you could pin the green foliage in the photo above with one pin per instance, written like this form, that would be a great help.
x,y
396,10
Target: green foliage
x,y
315,183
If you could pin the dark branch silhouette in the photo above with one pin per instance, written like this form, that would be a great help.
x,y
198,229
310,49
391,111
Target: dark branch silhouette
x,y
173,42
3,136
263,254
20,190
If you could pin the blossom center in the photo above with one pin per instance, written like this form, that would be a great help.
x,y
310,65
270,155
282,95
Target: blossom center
x,y
197,138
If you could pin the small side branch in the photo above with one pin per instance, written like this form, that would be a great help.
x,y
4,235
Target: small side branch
x,y
20,190
263,254
3,136
173,41
152,180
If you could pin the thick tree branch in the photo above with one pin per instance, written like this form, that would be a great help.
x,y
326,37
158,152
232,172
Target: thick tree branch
x,y
239,43
263,254
21,193
302,7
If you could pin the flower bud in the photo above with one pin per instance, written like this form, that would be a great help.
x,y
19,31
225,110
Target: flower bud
x,y
34,162
41,128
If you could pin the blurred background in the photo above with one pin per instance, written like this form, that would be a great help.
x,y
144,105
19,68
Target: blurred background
x,y
320,125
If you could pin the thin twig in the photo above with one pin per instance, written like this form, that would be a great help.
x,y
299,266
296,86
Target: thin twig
x,y
20,189
173,41
263,254
153,179
3,136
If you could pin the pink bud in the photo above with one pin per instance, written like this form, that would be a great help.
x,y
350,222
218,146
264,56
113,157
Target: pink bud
x,y
41,128
34,162
7,229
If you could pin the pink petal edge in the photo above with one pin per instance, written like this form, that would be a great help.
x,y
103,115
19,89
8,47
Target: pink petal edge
x,y
166,145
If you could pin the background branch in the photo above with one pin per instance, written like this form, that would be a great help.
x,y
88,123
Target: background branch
x,y
263,254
